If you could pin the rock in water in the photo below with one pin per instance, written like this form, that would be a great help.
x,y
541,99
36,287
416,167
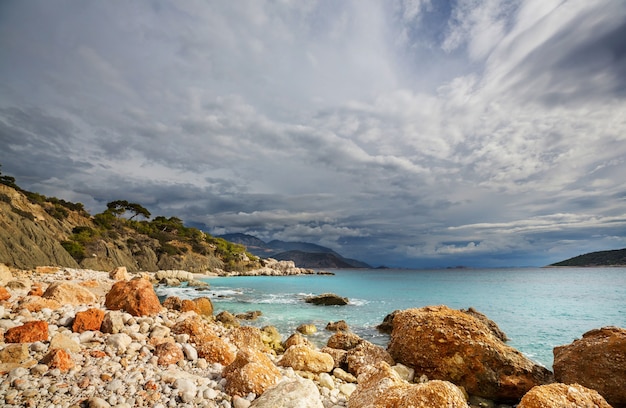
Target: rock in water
x,y
450,345
597,361
136,297
327,299
562,396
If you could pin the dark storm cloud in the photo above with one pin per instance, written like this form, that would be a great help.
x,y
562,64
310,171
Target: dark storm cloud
x,y
409,132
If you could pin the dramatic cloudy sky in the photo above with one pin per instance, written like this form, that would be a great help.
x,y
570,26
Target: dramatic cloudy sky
x,y
411,133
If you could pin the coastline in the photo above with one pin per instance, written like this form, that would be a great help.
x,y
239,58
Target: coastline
x,y
104,371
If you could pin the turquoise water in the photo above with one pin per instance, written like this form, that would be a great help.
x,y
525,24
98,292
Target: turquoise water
x,y
537,308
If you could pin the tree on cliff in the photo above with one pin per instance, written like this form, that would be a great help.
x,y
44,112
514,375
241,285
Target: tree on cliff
x,y
7,180
119,207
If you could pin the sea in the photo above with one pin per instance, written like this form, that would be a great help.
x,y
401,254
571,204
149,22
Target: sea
x,y
538,308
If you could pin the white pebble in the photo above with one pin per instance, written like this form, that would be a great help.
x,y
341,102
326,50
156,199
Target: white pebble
x,y
239,402
327,381
190,351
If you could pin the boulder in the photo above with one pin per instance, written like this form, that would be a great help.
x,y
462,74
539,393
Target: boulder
x,y
136,297
249,315
304,358
204,306
112,322
293,393
340,325
450,345
29,332
36,290
343,340
227,319
380,386
168,353
338,355
251,371
4,294
173,303
59,358
387,325
90,319
560,395
12,355
596,361
366,354
119,274
296,339
247,337
208,344
36,303
306,328
5,274
69,293
272,339
327,299
62,341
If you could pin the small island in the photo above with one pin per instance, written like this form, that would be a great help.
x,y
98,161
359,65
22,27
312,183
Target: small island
x,y
615,257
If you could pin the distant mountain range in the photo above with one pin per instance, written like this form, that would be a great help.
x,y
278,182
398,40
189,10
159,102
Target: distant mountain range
x,y
615,257
304,254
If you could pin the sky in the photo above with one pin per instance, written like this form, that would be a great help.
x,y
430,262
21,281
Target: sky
x,y
404,133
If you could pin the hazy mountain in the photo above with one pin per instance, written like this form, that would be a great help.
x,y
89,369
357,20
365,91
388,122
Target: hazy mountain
x,y
304,254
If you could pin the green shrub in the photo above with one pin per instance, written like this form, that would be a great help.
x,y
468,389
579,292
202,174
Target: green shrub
x,y
24,214
5,198
58,212
75,249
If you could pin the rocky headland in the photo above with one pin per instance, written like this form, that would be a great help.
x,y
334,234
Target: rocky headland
x,y
85,338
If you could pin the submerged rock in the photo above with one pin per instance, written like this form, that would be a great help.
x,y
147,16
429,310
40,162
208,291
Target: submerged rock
x,y
447,344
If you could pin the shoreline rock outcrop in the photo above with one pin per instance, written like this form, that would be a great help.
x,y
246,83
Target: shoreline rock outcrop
x,y
81,353
446,344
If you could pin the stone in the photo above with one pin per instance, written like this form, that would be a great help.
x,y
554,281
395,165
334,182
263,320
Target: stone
x,y
187,305
338,355
120,273
204,306
296,339
366,354
227,319
67,293
36,290
380,386
293,393
29,332
168,353
304,358
387,325
136,297
596,361
340,325
5,274
172,303
60,359
4,294
112,322
208,344
344,375
119,342
62,341
37,303
272,339
307,329
90,319
247,337
251,371
450,345
249,315
327,299
343,340
560,395
13,354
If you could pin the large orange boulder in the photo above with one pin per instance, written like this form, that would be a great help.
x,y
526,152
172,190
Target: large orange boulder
x,y
447,344
596,361
29,332
559,395
69,293
380,387
252,371
90,319
136,297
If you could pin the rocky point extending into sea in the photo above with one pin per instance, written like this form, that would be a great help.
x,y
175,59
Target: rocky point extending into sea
x,y
84,338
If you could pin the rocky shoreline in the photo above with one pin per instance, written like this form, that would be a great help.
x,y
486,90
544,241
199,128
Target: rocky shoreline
x,y
84,338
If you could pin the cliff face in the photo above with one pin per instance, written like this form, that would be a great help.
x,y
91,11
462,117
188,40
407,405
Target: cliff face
x,y
30,237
